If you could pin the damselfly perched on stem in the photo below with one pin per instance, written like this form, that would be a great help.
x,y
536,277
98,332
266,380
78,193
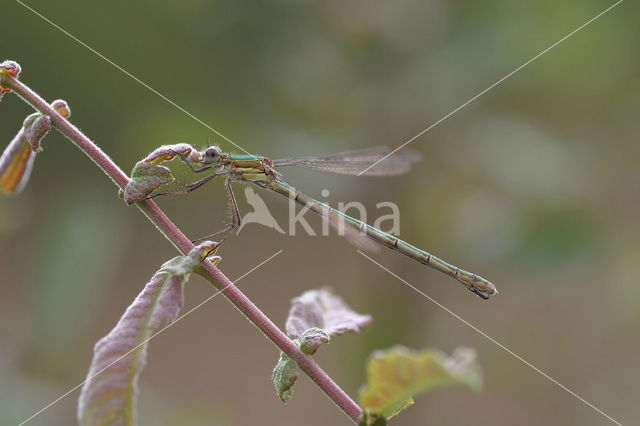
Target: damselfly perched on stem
x,y
262,172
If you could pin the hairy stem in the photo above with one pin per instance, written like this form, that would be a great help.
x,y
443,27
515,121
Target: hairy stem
x,y
180,241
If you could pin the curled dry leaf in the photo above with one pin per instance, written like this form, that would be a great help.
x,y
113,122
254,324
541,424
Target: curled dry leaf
x,y
145,178
313,318
17,159
147,175
8,68
36,126
324,310
109,393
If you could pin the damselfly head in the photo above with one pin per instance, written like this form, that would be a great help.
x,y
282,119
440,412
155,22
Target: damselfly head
x,y
211,155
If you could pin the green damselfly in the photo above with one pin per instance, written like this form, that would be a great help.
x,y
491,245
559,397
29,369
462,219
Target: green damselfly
x,y
262,172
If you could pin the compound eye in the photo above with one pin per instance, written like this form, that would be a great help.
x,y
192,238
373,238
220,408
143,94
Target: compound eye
x,y
212,154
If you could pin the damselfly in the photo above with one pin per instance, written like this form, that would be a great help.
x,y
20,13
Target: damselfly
x,y
261,172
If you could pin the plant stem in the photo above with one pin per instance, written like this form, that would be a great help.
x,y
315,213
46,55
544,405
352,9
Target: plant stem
x,y
180,241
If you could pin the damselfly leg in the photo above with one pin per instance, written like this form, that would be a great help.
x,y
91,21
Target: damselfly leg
x,y
232,228
188,187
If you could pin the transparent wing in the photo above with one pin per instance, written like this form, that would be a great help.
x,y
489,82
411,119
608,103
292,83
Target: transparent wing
x,y
355,162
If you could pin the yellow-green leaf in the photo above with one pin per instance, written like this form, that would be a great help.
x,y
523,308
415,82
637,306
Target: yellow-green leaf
x,y
396,375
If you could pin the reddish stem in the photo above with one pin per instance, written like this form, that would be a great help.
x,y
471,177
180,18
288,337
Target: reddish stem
x,y
173,234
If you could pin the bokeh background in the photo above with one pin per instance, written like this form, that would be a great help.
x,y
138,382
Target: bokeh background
x,y
535,186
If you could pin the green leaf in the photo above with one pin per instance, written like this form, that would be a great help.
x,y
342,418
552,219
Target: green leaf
x,y
396,375
285,375
110,391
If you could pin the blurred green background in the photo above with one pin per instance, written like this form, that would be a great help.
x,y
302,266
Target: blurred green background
x,y
535,186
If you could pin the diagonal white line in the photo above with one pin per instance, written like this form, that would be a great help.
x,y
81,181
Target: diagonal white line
x,y
134,77
476,329
493,85
151,337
